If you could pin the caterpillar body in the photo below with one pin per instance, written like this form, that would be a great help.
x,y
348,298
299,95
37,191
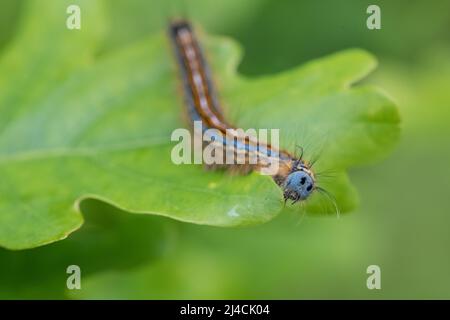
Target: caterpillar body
x,y
294,175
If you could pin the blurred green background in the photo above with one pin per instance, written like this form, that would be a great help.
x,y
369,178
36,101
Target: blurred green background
x,y
402,224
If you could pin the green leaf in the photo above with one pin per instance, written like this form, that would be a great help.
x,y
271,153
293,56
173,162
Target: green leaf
x,y
109,240
102,130
281,259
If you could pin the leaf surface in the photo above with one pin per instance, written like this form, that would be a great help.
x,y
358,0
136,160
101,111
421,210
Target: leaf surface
x,y
76,126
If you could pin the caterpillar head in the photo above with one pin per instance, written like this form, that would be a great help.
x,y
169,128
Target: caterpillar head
x,y
299,183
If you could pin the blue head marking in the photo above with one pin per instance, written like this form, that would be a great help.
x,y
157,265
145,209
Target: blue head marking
x,y
298,185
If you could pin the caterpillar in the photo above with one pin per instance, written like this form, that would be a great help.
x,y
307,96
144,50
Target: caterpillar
x,y
294,175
